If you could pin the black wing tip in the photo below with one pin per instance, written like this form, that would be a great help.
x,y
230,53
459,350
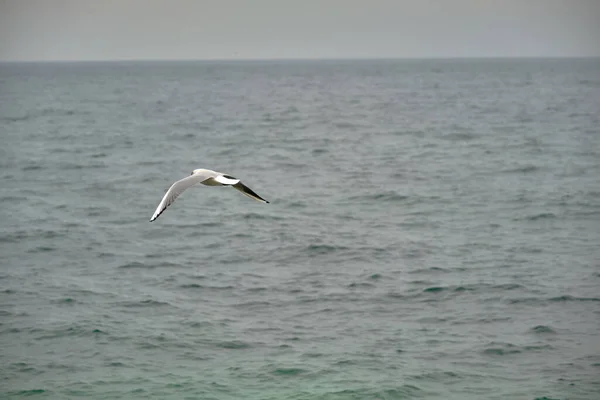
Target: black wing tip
x,y
159,214
249,192
257,197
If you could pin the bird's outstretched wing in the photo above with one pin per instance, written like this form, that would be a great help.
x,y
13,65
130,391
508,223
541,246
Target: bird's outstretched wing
x,y
175,190
237,184
248,192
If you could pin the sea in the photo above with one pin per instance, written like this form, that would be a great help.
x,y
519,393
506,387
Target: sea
x,y
433,230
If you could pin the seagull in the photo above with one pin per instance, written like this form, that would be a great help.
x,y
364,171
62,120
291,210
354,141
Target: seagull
x,y
205,177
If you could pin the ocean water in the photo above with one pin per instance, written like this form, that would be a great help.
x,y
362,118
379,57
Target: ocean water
x,y
433,231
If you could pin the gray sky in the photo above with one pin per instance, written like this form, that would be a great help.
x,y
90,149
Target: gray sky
x,y
223,29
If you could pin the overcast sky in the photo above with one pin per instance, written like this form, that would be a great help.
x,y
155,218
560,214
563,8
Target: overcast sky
x,y
251,29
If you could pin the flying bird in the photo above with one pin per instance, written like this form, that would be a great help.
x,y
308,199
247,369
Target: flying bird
x,y
205,177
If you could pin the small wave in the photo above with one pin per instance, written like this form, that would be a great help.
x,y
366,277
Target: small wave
x,y
289,371
348,125
297,204
135,264
523,170
257,289
508,286
45,112
241,235
319,151
525,300
60,150
75,330
184,136
16,118
257,216
535,217
42,249
97,211
437,376
467,288
432,320
589,82
193,125
18,236
435,289
557,299
116,364
501,349
397,296
104,254
459,136
66,300
542,329
573,298
198,324
26,393
200,225
537,347
487,320
197,286
464,288
385,197
149,163
290,165
355,285
22,367
191,286
254,305
322,249
72,166
32,167
234,345
144,303
316,355
429,270
59,112
500,352
401,392
417,133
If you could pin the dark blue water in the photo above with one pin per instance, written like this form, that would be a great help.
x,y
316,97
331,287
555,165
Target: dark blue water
x,y
433,230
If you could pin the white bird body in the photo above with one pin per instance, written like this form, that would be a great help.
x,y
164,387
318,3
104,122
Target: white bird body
x,y
206,177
